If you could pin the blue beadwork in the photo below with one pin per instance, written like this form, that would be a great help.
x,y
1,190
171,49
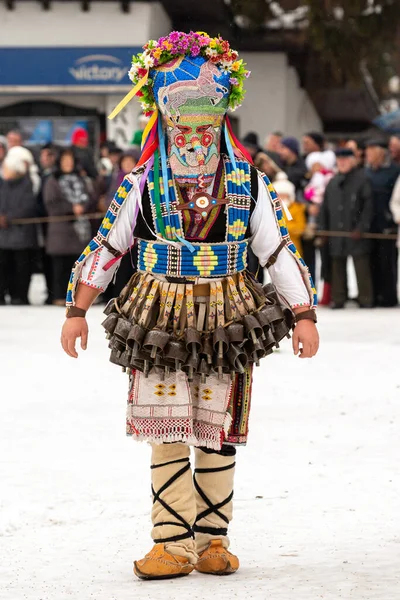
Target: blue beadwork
x,y
207,260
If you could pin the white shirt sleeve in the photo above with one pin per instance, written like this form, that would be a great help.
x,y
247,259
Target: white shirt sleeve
x,y
93,272
395,202
289,276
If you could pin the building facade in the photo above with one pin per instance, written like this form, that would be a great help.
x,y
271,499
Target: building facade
x,y
65,66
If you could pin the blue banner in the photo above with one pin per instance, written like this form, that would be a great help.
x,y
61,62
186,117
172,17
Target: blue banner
x,y
65,66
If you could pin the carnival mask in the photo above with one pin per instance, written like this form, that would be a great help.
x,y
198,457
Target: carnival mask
x,y
194,147
192,95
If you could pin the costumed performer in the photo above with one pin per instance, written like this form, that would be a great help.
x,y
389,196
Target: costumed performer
x,y
191,323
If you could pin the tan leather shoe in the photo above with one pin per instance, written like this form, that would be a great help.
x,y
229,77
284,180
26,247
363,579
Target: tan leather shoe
x,y
217,560
159,564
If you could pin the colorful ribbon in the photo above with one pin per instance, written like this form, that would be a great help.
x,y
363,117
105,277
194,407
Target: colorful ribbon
x,y
128,97
148,129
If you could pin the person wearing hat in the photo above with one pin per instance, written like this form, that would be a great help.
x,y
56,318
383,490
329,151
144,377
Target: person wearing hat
x,y
17,242
251,143
83,153
321,168
313,142
382,174
193,204
293,164
347,207
358,148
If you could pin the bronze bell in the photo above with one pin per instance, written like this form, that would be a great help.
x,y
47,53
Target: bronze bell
x,y
193,342
220,341
176,351
122,329
136,335
235,333
237,358
155,342
110,323
253,327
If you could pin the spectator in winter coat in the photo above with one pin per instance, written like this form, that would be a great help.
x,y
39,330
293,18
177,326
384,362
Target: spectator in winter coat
x,y
313,142
348,207
21,153
293,165
66,193
83,154
382,175
287,194
17,242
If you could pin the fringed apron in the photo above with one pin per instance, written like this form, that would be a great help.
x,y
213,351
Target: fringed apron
x,y
189,326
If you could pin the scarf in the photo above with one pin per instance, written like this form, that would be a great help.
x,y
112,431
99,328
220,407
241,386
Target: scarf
x,y
74,190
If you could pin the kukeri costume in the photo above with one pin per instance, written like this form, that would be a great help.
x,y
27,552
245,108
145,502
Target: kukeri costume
x,y
191,323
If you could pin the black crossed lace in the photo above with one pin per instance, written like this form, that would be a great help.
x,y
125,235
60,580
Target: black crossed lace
x,y
180,521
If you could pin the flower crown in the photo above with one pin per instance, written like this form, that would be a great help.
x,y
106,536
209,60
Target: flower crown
x,y
177,43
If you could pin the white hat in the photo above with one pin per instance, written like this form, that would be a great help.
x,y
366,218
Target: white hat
x,y
313,158
283,186
328,160
16,164
23,153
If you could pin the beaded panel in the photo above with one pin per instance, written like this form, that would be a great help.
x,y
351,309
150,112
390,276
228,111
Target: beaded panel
x,y
207,260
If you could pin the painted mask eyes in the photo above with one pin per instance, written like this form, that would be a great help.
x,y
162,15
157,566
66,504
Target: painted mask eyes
x,y
180,140
206,139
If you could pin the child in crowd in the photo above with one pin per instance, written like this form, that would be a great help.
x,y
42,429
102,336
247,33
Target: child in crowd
x,y
287,194
321,166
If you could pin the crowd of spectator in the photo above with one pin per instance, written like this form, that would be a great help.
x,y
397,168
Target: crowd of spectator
x,y
345,202
335,196
59,182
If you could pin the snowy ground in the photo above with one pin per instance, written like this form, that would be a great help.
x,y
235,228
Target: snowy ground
x,y
317,491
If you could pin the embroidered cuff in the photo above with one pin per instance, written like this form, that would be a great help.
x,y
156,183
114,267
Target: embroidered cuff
x,y
91,285
301,305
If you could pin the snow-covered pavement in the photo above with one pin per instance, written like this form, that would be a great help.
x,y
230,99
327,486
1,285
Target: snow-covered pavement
x,y
317,499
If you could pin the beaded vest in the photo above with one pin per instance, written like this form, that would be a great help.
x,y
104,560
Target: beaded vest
x,y
219,244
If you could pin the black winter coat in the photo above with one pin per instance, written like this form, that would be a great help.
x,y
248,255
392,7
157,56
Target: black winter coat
x,y
382,182
347,206
296,173
17,201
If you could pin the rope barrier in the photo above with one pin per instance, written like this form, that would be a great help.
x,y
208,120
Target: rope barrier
x,y
364,236
100,215
57,219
